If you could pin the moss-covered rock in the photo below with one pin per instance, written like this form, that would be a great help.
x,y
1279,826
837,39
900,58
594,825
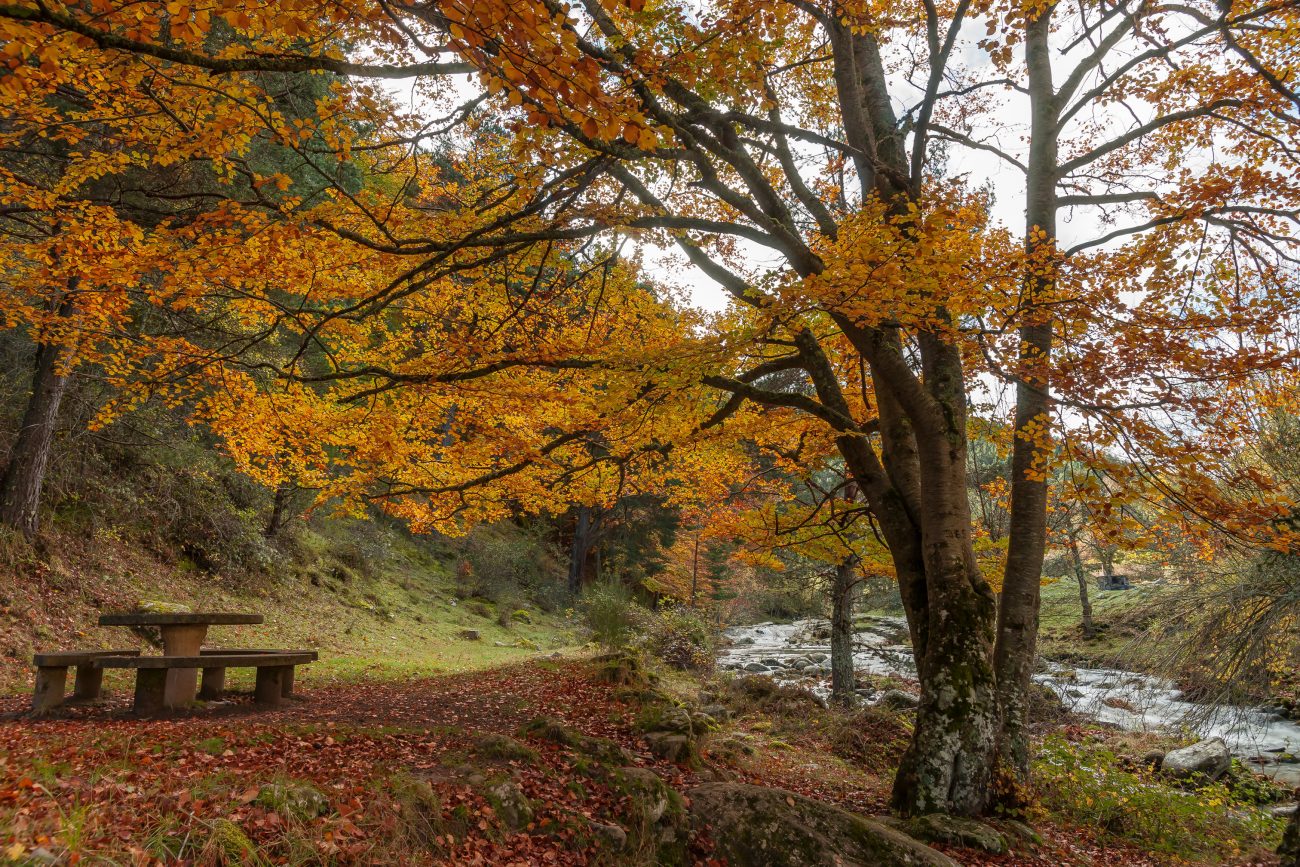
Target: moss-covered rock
x,y
495,746
510,804
601,750
621,669
228,844
655,813
295,801
754,826
953,831
158,606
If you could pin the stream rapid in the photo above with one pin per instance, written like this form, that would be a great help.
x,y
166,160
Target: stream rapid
x,y
799,653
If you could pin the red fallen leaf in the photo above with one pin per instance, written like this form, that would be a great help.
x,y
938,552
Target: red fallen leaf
x,y
248,795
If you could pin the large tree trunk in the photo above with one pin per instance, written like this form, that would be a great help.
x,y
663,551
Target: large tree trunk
x,y
842,595
24,476
580,549
948,767
1017,628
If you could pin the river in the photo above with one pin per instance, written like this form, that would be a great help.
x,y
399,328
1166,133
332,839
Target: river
x,y
799,653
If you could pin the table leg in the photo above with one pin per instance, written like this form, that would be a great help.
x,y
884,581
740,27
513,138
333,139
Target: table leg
x,y
182,640
90,681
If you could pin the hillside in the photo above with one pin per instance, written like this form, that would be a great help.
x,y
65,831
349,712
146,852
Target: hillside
x,y
387,607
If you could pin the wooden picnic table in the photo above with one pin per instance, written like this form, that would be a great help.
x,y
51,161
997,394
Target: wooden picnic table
x,y
183,634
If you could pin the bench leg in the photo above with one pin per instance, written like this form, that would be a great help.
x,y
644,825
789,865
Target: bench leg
x,y
90,681
214,684
270,684
286,685
50,684
150,686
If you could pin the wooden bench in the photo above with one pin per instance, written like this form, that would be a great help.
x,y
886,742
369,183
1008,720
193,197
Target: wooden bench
x,y
274,673
52,676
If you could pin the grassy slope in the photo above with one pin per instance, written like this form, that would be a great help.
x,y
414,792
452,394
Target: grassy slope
x,y
1121,617
395,614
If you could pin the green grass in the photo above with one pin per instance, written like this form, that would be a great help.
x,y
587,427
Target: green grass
x,y
1121,618
391,615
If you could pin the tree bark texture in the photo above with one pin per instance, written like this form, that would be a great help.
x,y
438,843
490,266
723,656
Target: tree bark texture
x,y
24,475
843,593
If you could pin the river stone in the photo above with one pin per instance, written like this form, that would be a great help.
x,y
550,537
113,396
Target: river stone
x,y
756,668
1209,758
754,826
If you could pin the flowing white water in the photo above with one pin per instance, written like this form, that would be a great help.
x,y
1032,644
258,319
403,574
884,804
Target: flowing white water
x,y
799,652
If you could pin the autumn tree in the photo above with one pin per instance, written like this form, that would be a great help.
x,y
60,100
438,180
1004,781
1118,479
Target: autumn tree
x,y
802,155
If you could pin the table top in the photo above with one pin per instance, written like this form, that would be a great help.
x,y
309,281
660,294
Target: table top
x,y
187,618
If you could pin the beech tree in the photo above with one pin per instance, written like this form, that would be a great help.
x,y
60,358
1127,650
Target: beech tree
x,y
804,156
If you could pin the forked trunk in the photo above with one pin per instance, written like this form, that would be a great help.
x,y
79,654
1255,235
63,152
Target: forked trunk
x,y
842,595
24,476
1017,627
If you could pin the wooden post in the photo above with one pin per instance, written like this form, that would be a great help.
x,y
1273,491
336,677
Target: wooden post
x,y
214,684
270,684
90,680
50,683
150,690
286,689
182,640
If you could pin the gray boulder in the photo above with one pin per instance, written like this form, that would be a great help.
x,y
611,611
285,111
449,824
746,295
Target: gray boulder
x,y
896,699
754,826
1208,758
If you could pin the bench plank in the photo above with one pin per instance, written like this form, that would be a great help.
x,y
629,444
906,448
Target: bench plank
x,y
76,657
215,660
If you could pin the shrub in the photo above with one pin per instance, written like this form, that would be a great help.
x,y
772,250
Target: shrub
x,y
681,637
501,559
1086,784
611,614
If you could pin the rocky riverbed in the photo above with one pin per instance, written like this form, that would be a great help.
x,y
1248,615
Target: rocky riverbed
x,y
799,653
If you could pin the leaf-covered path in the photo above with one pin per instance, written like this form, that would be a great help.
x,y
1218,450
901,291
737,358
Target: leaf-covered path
x,y
100,787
